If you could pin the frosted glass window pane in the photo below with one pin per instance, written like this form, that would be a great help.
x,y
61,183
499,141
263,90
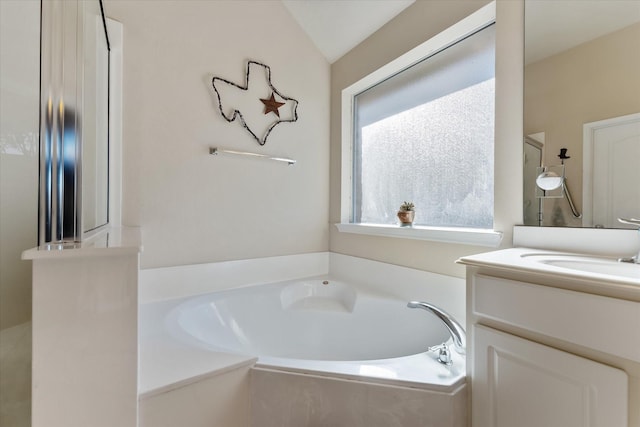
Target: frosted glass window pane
x,y
436,151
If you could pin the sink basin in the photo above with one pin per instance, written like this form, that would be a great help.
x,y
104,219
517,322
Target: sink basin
x,y
611,268
586,264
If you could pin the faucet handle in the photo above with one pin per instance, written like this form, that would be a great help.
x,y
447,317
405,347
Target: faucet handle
x,y
631,221
444,354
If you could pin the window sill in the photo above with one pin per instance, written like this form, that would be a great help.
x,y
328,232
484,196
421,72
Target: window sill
x,y
467,236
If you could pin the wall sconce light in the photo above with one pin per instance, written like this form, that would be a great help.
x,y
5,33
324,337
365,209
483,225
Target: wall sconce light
x,y
551,183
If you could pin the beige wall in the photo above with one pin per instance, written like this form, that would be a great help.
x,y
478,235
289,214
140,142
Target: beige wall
x,y
593,81
193,207
19,101
418,23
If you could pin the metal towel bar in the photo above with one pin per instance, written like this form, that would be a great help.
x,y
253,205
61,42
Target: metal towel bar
x,y
215,151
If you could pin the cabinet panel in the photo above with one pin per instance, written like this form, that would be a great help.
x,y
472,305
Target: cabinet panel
x,y
516,382
591,321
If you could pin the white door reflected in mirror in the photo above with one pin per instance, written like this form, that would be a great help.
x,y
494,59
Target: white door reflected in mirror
x,y
611,174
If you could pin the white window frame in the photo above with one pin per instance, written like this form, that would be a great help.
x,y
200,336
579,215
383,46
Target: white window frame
x,y
469,25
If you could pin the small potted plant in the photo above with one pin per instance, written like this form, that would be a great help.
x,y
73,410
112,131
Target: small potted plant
x,y
406,214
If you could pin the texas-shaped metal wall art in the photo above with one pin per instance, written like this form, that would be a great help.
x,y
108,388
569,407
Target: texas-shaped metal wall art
x,y
263,106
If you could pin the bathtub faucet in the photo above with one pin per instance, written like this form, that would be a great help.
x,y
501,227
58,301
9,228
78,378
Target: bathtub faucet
x,y
636,223
456,330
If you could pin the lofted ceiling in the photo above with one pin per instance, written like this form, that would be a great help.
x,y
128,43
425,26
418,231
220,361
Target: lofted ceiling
x,y
555,26
337,26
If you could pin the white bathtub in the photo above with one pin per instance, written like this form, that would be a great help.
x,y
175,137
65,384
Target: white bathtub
x,y
321,326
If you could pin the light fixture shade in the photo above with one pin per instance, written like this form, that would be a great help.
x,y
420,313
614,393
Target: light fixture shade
x,y
550,181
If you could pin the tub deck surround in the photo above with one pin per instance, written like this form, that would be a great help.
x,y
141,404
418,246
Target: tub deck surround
x,y
404,283
162,368
171,359
222,400
168,361
287,399
194,330
419,371
165,283
85,339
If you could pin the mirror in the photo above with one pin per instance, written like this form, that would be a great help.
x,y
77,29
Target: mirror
x,y
582,110
95,119
74,120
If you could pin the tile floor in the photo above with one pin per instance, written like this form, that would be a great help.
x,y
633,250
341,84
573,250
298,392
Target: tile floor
x,y
15,376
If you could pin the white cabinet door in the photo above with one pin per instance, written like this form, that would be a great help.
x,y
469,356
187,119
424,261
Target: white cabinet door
x,y
519,383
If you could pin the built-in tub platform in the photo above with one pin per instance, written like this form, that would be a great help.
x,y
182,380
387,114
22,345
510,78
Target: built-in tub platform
x,y
167,364
178,369
171,356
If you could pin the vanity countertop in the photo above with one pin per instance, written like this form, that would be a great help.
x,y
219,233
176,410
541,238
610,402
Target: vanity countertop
x,y
585,273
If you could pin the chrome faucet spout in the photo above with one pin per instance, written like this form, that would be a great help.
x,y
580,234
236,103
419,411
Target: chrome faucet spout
x,y
456,330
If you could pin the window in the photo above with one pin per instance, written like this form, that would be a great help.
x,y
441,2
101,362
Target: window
x,y
422,130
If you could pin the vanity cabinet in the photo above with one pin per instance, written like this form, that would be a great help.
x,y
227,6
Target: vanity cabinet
x,y
522,383
544,352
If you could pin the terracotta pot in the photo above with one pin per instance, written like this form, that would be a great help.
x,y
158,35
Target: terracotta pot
x,y
406,218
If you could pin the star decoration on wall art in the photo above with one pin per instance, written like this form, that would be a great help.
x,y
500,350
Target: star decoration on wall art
x,y
239,98
271,105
